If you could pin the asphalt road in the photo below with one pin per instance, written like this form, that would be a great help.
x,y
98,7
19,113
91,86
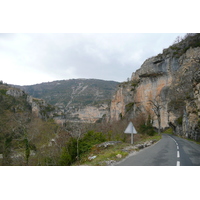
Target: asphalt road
x,y
169,151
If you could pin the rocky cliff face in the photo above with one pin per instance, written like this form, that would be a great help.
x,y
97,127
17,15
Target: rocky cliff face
x,y
173,80
76,100
123,98
38,107
89,114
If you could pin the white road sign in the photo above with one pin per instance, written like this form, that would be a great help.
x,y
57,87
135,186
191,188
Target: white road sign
x,y
131,130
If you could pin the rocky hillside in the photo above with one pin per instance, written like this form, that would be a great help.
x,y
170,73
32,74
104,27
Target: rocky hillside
x,y
26,127
16,100
171,80
85,100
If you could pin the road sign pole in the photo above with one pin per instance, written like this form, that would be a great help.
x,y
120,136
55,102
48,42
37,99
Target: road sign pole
x,y
131,138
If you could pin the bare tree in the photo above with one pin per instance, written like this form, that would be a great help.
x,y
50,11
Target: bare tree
x,y
187,35
178,39
76,132
21,132
77,144
156,107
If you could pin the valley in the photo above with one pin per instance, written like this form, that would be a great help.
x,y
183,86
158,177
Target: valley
x,y
62,123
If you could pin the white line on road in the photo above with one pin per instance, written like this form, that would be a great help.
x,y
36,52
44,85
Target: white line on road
x,y
175,141
178,163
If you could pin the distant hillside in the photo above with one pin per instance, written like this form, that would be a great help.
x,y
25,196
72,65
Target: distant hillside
x,y
78,99
73,92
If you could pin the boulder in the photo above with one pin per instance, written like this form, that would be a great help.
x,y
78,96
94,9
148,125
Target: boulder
x,y
119,155
109,143
91,157
110,162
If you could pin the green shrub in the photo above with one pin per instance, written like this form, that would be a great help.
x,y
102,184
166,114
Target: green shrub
x,y
120,115
3,91
169,131
147,129
90,139
180,120
48,161
65,158
129,106
69,153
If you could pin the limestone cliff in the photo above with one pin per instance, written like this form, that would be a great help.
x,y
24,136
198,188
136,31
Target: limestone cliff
x,y
171,78
89,114
76,100
61,113
37,106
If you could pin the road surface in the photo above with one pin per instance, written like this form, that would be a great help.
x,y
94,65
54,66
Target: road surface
x,y
169,151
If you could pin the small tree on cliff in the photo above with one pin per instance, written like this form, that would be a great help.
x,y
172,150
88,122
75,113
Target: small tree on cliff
x,y
156,107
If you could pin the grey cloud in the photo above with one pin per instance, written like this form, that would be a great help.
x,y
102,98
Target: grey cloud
x,y
64,56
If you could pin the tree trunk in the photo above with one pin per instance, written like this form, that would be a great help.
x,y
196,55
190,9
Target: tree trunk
x,y
77,156
27,150
159,124
7,152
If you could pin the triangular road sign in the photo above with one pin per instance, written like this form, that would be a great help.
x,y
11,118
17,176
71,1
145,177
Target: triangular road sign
x,y
130,129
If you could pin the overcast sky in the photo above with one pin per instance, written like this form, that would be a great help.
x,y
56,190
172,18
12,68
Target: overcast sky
x,y
34,58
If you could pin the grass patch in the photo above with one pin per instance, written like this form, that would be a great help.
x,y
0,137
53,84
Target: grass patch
x,y
155,137
192,140
189,139
104,155
168,131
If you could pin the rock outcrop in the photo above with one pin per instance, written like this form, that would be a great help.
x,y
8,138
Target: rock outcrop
x,y
87,114
39,107
15,92
77,100
172,79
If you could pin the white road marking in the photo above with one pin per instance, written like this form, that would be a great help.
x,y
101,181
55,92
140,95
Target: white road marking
x,y
178,163
175,141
